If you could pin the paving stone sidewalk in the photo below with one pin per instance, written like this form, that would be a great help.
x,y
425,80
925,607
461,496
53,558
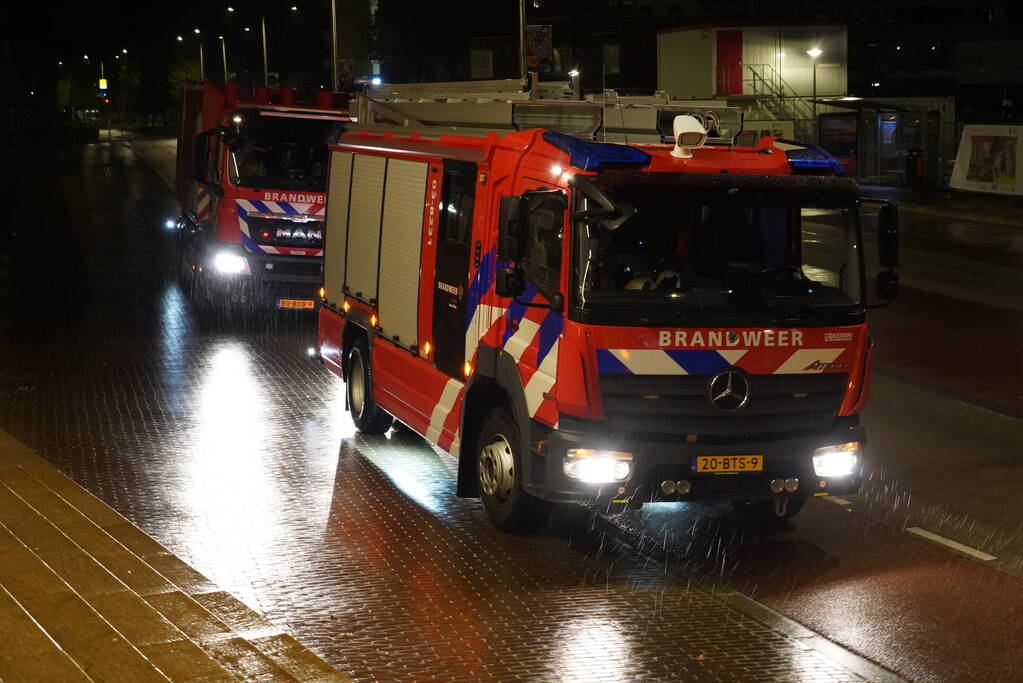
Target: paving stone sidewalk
x,y
87,596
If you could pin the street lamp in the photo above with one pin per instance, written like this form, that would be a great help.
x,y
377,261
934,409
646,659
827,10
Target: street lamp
x,y
202,64
814,53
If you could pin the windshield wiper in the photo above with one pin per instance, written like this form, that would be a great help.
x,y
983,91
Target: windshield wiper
x,y
827,313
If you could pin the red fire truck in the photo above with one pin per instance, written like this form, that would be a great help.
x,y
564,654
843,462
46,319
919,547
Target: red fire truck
x,y
576,320
251,181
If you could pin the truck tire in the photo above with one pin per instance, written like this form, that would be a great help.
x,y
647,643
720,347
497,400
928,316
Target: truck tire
x,y
499,471
186,276
369,418
763,509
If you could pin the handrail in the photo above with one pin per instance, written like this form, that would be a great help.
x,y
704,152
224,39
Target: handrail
x,y
764,80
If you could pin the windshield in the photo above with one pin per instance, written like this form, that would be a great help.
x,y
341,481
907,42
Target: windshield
x,y
731,251
272,151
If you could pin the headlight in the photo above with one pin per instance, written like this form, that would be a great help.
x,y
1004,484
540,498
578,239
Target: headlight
x,y
226,262
597,467
836,461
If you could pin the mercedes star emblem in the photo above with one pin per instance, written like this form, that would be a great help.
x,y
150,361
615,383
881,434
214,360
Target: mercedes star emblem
x,y
729,390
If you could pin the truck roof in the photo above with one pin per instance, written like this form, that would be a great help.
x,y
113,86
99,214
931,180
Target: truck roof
x,y
769,157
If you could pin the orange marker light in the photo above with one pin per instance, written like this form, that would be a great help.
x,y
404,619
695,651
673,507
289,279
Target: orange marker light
x,y
373,320
346,306
426,349
468,369
323,293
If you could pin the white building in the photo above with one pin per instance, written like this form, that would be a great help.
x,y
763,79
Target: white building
x,y
774,72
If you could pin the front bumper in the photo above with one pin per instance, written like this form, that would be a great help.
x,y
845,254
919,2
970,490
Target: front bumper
x,y
269,278
655,462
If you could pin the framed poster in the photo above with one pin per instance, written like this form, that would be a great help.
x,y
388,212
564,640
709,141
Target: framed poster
x,y
990,159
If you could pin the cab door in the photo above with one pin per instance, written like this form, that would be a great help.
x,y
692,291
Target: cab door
x,y
458,200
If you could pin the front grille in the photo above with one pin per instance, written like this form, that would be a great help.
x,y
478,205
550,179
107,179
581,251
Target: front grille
x,y
276,268
286,232
678,408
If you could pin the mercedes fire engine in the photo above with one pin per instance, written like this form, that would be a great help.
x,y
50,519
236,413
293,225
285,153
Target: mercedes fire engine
x,y
576,320
251,181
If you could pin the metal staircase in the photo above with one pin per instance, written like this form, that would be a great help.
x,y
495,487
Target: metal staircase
x,y
763,83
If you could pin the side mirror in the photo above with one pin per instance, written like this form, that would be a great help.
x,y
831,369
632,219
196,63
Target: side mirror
x,y
511,229
623,213
558,302
887,285
888,235
511,281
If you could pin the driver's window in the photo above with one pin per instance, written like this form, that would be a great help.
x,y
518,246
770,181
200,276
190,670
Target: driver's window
x,y
544,232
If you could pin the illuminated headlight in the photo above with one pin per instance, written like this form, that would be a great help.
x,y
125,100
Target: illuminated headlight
x,y
226,262
836,461
597,467
170,224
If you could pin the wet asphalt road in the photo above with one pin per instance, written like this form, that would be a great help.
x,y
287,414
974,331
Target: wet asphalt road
x,y
228,445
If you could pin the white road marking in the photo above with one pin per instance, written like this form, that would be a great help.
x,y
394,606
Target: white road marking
x,y
949,543
837,501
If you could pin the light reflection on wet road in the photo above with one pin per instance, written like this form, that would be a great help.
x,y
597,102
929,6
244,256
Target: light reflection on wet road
x,y
228,445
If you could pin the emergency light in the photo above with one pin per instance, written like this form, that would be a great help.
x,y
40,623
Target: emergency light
x,y
807,155
594,156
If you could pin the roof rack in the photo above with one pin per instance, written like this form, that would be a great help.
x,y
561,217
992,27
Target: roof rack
x,y
474,108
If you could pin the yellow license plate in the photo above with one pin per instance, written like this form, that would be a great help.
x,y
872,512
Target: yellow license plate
x,y
296,303
729,463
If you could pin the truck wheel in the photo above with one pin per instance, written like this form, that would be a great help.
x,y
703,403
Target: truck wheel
x,y
367,415
763,509
498,468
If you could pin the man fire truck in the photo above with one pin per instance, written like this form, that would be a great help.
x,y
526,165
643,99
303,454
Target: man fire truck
x,y
576,320
251,177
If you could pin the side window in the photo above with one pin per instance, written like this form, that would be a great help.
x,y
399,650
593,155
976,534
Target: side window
x,y
458,199
544,235
215,161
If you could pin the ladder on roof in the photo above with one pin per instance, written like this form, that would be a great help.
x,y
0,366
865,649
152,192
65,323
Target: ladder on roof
x,y
474,108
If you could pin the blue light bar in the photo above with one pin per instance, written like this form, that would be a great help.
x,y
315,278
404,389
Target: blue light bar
x,y
593,156
811,156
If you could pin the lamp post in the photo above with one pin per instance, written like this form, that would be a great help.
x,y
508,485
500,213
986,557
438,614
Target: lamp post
x,y
202,64
266,73
522,41
223,56
814,53
333,46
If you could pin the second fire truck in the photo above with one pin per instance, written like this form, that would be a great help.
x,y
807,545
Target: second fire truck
x,y
576,320
251,181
